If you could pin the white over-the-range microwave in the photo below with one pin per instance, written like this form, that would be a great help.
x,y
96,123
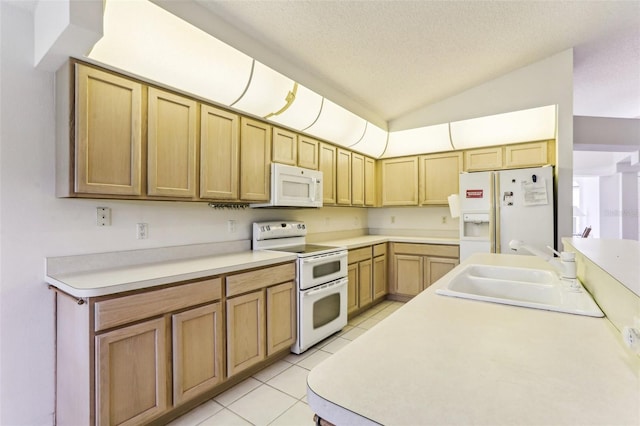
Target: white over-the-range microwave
x,y
294,187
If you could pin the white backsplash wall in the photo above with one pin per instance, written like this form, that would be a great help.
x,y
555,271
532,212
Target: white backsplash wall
x,y
429,221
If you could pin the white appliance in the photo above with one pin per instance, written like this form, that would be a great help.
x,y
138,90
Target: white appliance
x,y
321,275
497,207
294,187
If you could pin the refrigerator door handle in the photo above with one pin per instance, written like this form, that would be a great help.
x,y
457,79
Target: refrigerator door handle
x,y
494,223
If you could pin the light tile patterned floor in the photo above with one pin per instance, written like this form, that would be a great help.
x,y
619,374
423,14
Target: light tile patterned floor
x,y
277,395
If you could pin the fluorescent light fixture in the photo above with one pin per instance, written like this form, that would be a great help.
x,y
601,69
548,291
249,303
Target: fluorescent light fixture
x,y
520,126
267,93
418,141
338,125
146,40
303,111
373,142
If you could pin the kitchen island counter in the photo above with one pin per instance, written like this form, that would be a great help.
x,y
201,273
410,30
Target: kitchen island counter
x,y
444,360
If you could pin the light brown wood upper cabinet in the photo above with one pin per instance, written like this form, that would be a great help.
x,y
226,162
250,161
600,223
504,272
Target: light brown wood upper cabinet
x,y
439,176
369,182
219,143
328,167
526,155
483,159
108,133
343,176
308,152
357,179
284,148
255,160
171,145
400,181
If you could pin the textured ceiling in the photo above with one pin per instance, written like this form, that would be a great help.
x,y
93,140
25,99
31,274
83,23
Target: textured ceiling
x,y
392,57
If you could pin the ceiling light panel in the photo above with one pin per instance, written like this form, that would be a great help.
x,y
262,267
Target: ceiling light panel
x,y
374,141
267,92
338,125
520,126
303,111
419,141
144,39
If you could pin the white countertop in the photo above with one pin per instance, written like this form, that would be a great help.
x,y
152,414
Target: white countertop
x,y
619,258
444,360
115,280
367,240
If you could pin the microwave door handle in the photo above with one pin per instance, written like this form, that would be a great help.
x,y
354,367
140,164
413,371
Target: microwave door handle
x,y
314,188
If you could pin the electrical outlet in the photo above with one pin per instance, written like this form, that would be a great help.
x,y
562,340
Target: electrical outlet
x,y
231,225
393,219
142,231
103,216
444,219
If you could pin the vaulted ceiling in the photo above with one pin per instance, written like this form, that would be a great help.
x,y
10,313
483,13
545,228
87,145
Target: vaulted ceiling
x,y
385,59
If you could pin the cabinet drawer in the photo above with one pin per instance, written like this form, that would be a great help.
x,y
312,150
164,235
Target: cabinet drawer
x,y
261,278
379,249
358,255
426,249
123,310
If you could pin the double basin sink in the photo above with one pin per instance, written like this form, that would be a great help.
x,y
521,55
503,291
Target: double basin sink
x,y
530,288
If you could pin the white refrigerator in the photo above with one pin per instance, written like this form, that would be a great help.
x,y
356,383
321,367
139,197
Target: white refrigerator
x,y
497,207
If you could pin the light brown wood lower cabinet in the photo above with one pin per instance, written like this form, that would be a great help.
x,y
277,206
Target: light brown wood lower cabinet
x,y
281,317
197,351
245,331
416,266
131,371
352,288
379,271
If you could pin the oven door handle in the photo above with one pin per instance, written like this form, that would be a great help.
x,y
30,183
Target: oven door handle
x,y
326,288
323,257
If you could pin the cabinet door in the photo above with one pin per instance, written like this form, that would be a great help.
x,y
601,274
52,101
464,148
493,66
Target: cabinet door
x,y
245,331
352,288
369,181
379,277
343,176
439,176
131,374
409,271
284,148
365,289
255,160
171,145
108,138
483,159
218,154
357,179
400,181
328,168
526,155
281,317
308,152
197,351
437,267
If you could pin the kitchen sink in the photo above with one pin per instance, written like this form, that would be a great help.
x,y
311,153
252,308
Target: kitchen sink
x,y
529,288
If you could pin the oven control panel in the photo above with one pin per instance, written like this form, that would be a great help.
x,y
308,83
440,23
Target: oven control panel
x,y
277,230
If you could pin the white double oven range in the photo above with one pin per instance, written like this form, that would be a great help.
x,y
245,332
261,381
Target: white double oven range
x,y
321,275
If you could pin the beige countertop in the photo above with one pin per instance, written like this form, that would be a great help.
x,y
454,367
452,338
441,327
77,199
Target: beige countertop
x,y
367,240
101,282
444,360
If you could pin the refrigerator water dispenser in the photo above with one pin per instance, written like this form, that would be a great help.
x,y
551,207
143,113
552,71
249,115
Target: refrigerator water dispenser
x,y
475,225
